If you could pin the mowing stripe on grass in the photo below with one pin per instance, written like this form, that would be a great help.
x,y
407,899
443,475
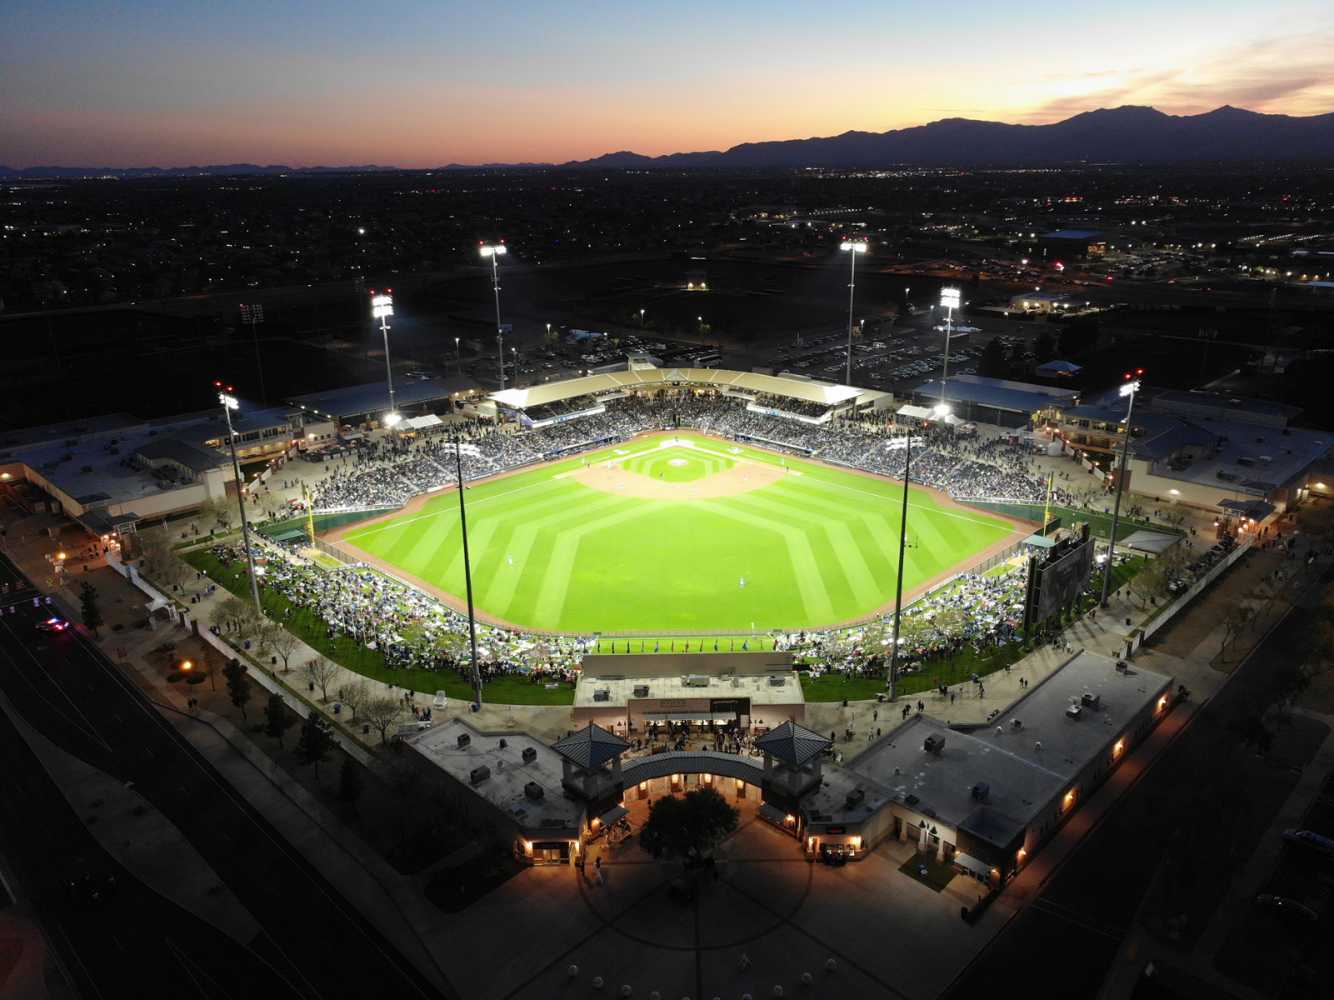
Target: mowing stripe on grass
x,y
560,567
805,567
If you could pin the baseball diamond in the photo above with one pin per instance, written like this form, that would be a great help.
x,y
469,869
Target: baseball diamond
x,y
679,532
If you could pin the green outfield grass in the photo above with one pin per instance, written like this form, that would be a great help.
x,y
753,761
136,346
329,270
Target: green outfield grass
x,y
816,547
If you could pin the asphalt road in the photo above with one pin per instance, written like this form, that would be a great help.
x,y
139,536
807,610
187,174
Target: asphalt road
x,y
66,687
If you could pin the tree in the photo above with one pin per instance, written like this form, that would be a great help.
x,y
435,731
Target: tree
x,y
993,364
1237,620
1079,337
381,713
1044,346
316,740
235,613
276,718
238,684
689,827
354,696
283,643
88,607
349,780
321,671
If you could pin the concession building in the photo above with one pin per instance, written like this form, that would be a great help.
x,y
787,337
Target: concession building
x,y
983,798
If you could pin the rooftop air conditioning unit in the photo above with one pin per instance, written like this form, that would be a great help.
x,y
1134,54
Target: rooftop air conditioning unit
x,y
533,791
479,774
696,680
641,690
855,797
1073,711
464,740
1090,700
777,682
934,743
529,754
602,694
981,790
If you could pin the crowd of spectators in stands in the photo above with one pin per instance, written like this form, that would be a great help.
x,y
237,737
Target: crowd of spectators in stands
x,y
410,628
961,463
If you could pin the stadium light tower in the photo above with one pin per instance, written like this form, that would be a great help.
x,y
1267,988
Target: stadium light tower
x,y
229,402
1130,388
898,590
494,251
852,248
949,301
467,573
382,307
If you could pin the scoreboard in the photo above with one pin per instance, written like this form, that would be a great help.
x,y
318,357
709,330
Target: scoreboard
x,y
1056,581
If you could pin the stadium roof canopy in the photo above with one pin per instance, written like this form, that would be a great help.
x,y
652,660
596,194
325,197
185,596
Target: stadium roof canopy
x,y
793,387
792,743
999,393
1155,542
591,746
1059,368
356,400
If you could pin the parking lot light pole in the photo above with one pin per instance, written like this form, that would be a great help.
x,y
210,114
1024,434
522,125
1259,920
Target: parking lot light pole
x,y
949,298
852,248
494,251
230,402
1129,389
467,573
898,590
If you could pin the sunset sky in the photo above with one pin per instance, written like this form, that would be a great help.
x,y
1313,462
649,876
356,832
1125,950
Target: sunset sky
x,y
418,83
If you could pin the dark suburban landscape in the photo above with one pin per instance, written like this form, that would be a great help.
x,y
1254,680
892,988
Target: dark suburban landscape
x,y
644,502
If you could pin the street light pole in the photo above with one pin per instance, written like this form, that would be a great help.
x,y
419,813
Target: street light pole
x,y
229,403
495,251
1131,389
467,573
853,248
898,590
458,356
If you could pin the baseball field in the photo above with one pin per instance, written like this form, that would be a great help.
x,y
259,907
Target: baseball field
x,y
678,533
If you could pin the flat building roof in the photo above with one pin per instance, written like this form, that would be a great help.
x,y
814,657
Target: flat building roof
x,y
505,787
